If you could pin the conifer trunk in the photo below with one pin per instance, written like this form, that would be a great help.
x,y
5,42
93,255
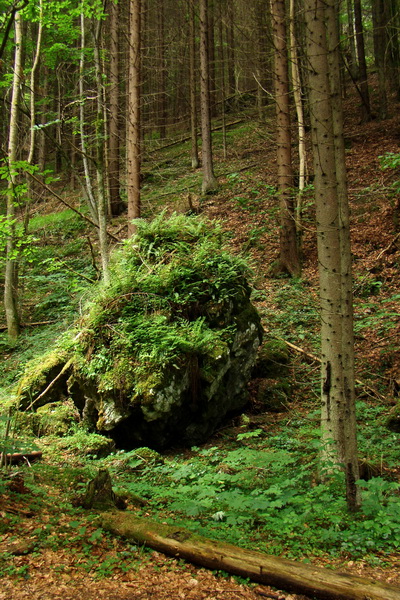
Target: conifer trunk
x,y
334,259
289,260
209,182
134,124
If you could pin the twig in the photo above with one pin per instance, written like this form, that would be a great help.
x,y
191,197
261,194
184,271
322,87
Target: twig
x,y
312,357
185,139
53,193
65,367
382,252
4,327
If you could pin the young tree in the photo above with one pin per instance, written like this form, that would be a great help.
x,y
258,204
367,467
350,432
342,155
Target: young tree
x,y
133,116
209,182
380,17
192,86
11,270
301,125
289,260
338,421
362,65
116,204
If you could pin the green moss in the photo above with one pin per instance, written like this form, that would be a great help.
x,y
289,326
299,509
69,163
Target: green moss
x,y
38,374
171,285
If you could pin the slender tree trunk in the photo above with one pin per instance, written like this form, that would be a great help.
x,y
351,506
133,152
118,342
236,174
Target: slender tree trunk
x,y
379,20
362,65
11,269
192,86
289,260
230,51
134,125
88,180
100,134
42,147
211,58
162,93
222,79
297,95
58,134
209,181
353,66
34,69
116,204
337,348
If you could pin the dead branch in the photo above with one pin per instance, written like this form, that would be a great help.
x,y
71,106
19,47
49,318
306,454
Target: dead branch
x,y
262,568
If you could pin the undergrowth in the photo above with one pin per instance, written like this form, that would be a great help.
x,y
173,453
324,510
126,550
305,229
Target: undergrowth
x,y
266,492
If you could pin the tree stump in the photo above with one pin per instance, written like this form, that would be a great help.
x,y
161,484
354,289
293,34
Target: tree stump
x,y
100,495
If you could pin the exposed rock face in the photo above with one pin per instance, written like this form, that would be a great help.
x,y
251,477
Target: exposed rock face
x,y
166,352
195,399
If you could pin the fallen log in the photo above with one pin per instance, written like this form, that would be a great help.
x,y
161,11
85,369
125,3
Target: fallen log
x,y
19,457
288,575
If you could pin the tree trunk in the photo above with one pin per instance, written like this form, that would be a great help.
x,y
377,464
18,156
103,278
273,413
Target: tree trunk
x,y
334,259
134,125
298,100
88,181
192,86
100,134
11,269
379,20
297,577
289,261
362,65
116,204
353,66
209,182
161,79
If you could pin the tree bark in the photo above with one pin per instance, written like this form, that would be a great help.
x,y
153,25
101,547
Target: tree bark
x,y
88,180
209,182
11,269
100,134
134,124
353,66
116,204
362,65
301,127
379,20
192,86
285,574
333,236
289,260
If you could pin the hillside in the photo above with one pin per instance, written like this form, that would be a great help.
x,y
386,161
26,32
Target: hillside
x,y
68,554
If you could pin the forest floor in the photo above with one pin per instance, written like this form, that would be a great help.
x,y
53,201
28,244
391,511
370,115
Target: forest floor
x,y
246,205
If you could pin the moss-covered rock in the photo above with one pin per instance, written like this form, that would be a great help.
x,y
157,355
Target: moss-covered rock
x,y
165,352
45,380
56,418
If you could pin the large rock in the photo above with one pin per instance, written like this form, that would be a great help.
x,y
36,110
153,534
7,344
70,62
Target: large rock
x,y
164,353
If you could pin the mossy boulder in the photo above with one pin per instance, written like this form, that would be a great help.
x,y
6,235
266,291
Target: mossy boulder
x,y
164,352
56,418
